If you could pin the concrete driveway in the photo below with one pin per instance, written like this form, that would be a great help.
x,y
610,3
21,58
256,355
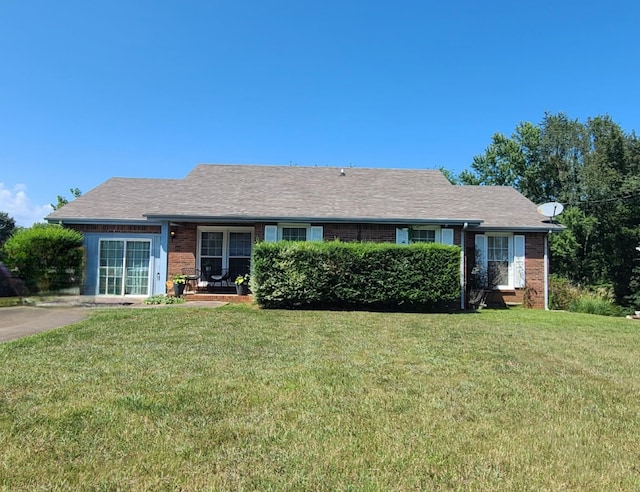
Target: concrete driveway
x,y
20,321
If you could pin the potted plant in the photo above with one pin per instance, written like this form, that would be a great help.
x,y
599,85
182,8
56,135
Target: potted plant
x,y
179,282
242,284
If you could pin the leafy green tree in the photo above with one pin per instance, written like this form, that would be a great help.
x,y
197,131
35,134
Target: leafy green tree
x,y
572,250
594,169
62,201
7,227
47,257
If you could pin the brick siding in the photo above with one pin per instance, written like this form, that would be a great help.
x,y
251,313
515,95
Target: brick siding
x,y
115,228
183,248
534,273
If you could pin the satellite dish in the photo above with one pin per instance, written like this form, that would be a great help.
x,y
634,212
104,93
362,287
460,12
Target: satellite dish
x,y
551,209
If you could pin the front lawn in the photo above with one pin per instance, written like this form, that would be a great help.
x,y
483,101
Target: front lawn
x,y
242,399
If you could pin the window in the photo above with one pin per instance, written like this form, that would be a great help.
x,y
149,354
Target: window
x,y
294,233
239,253
222,249
501,259
498,255
422,235
211,251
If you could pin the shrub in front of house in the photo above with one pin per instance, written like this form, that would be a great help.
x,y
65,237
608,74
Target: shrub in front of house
x,y
375,276
46,257
564,295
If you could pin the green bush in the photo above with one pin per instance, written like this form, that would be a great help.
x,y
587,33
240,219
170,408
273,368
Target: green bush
x,y
594,303
163,299
590,300
376,276
562,292
47,257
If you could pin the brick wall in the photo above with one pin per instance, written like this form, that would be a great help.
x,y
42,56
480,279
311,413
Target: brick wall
x,y
377,233
360,232
534,267
534,272
115,228
182,252
182,247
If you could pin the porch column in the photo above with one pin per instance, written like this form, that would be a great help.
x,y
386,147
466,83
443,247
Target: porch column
x,y
161,268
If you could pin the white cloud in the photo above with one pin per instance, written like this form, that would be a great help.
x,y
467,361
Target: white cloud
x,y
17,204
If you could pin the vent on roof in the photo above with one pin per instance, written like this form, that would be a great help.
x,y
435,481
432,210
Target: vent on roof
x,y
342,173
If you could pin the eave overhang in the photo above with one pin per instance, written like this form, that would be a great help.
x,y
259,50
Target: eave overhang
x,y
326,220
78,220
544,228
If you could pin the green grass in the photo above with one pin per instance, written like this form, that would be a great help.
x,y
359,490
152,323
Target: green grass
x,y
241,399
10,301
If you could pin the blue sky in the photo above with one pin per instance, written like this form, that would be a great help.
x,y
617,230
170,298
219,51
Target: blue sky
x,y
91,90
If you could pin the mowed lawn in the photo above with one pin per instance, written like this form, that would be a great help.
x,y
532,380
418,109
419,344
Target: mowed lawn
x,y
242,399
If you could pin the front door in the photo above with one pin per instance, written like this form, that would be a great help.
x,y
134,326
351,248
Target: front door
x,y
124,267
225,249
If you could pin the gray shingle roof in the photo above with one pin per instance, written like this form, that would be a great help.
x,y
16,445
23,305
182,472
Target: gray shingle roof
x,y
119,199
268,193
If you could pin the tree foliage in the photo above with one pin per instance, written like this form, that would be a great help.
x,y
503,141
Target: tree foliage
x,y
593,168
47,257
7,227
62,201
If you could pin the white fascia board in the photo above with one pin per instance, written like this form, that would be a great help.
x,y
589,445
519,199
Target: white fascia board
x,y
326,220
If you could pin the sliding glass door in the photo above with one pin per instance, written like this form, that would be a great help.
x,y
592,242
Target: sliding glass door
x,y
124,267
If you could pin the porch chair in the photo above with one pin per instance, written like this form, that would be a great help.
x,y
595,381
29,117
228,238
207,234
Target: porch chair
x,y
193,276
220,277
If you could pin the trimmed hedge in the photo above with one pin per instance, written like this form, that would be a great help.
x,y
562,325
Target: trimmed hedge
x,y
374,276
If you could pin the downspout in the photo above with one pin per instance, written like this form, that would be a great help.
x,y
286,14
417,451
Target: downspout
x,y
462,269
546,272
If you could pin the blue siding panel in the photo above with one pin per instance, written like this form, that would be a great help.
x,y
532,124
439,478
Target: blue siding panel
x,y
91,244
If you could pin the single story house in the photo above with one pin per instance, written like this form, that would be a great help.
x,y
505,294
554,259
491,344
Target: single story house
x,y
138,232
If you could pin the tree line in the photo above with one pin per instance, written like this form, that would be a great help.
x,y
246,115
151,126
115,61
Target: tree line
x,y
593,168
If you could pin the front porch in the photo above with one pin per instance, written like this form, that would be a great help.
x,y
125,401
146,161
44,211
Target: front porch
x,y
220,297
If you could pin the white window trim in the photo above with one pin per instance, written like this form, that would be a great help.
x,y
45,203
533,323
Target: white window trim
x,y
516,278
436,229
509,236
403,234
299,225
225,241
151,259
